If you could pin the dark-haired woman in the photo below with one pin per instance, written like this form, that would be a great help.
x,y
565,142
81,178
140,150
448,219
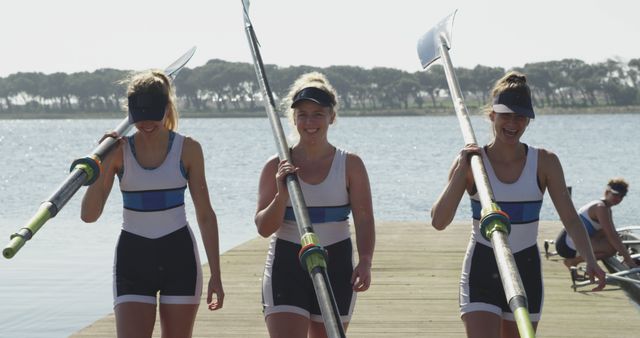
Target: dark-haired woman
x,y
597,219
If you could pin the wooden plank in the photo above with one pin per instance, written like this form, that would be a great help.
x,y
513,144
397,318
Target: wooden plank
x,y
414,292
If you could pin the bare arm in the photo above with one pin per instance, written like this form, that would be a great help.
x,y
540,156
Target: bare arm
x,y
460,180
363,219
552,177
207,221
97,193
272,196
603,214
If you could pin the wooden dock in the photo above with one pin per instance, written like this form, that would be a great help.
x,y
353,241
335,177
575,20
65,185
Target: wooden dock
x,y
414,292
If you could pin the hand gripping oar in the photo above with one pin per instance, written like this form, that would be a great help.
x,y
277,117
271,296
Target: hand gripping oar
x,y
495,224
312,255
84,171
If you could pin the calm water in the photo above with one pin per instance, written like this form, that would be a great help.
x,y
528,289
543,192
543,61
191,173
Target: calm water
x,y
61,280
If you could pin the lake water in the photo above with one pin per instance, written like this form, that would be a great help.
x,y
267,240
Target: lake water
x,y
60,281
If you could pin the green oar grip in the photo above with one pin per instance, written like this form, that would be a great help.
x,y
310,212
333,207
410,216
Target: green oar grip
x,y
521,314
92,165
311,254
25,233
17,241
494,220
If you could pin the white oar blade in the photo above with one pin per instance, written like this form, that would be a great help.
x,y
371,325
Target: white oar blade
x,y
429,43
245,10
173,69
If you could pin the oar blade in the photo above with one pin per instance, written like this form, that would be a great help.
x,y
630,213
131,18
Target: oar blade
x,y
83,172
429,43
173,69
245,6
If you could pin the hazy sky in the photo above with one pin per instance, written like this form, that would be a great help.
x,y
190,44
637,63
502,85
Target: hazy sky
x,y
78,35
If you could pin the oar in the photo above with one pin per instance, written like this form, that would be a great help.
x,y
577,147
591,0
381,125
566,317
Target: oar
x,y
628,229
495,224
619,276
312,255
84,171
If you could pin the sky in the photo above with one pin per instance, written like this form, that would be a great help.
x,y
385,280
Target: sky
x,y
85,35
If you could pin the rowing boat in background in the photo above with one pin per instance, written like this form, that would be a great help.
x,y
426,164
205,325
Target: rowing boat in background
x,y
627,279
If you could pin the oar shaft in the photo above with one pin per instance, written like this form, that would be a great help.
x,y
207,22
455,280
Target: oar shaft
x,y
477,167
316,265
66,190
295,192
48,209
25,233
84,171
322,285
525,328
512,283
299,209
510,276
105,147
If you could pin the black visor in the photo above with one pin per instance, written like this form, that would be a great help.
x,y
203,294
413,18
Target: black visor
x,y
313,94
147,107
514,102
618,189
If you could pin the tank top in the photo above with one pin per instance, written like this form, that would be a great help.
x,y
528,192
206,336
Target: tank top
x,y
521,200
591,225
327,204
153,199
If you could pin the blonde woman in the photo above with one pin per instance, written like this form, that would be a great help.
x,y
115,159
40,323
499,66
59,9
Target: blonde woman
x,y
335,184
519,175
156,257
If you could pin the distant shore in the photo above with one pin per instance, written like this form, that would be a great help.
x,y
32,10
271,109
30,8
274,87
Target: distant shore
x,y
426,111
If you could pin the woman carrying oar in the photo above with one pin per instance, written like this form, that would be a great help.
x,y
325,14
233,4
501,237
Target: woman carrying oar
x,y
519,174
334,183
598,221
156,253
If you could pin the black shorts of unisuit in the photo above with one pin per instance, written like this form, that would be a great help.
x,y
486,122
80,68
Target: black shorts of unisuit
x,y
287,287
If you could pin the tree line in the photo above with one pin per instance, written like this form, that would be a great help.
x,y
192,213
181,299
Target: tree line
x,y
227,87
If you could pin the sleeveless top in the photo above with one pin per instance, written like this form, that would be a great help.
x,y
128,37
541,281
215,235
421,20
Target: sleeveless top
x,y
589,224
153,199
327,204
521,200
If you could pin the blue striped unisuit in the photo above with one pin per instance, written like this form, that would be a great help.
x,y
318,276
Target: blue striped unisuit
x,y
322,214
519,212
153,200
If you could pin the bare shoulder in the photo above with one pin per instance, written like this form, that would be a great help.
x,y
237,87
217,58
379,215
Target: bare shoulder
x,y
546,154
599,205
190,144
191,151
547,159
271,163
354,162
353,157
118,157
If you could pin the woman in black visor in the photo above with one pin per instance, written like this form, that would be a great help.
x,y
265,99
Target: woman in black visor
x,y
156,258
